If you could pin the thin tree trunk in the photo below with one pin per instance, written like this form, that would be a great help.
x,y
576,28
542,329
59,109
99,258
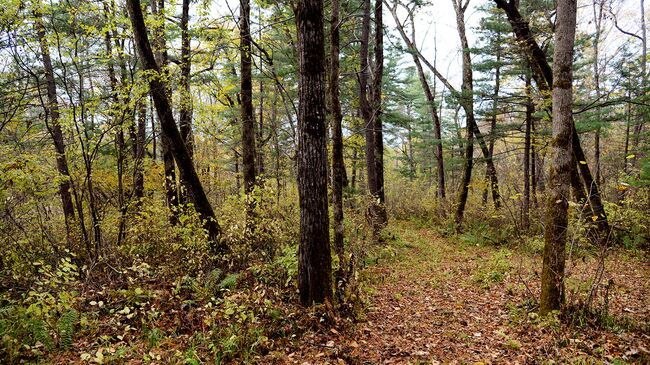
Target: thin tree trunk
x,y
466,101
380,207
338,165
171,192
185,107
527,156
556,222
138,168
54,127
314,262
366,113
247,117
170,131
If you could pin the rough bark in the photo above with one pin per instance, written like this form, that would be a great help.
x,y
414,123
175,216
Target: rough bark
x,y
338,164
556,221
170,131
246,93
380,216
314,262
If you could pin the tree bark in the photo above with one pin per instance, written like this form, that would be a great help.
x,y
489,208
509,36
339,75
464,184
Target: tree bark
x,y
185,107
170,131
247,117
556,221
314,262
380,216
338,164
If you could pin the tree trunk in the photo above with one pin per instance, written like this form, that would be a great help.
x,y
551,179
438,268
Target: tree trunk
x,y
491,179
171,192
138,168
185,107
466,101
527,157
54,126
170,131
556,221
247,117
380,215
314,262
366,115
338,164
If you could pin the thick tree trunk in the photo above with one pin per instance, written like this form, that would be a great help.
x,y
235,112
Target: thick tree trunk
x,y
170,131
54,127
247,117
556,221
338,164
314,262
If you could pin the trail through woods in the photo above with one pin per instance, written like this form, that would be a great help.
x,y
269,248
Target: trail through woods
x,y
436,301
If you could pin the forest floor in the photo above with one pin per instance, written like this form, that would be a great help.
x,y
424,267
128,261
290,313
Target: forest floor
x,y
434,301
425,299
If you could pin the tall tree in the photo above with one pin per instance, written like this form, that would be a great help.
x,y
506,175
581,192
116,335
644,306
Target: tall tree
x,y
161,58
338,164
467,102
247,117
543,76
169,130
556,221
185,107
377,127
314,258
53,124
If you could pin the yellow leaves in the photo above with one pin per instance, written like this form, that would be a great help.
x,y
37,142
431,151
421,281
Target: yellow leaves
x,y
583,162
630,156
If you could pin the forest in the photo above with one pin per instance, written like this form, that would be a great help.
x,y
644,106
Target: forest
x,y
324,182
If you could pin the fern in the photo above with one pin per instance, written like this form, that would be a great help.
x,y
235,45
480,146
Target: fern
x,y
65,328
40,333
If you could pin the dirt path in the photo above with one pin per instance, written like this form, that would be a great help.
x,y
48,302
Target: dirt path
x,y
436,302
